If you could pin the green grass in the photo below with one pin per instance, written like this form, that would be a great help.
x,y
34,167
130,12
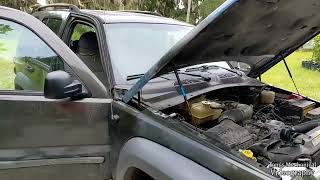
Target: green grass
x,y
6,74
307,80
7,54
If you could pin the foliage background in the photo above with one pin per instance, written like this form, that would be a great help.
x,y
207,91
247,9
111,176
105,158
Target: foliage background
x,y
316,49
176,9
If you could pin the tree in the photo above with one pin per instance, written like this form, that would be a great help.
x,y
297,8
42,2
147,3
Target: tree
x,y
200,9
207,6
176,9
4,29
316,49
23,5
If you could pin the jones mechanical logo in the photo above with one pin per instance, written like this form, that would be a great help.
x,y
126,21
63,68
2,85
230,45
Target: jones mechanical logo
x,y
292,169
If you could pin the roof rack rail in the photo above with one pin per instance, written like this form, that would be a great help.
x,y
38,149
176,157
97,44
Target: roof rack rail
x,y
143,12
56,6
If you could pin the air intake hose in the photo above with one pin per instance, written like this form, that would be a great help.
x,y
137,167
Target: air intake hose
x,y
239,114
287,133
305,127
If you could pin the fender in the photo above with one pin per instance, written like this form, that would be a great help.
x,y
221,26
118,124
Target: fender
x,y
158,162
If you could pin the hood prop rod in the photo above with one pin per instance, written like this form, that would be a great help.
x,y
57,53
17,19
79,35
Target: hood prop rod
x,y
181,88
289,72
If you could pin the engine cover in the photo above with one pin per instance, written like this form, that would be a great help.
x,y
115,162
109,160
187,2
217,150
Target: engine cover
x,y
231,134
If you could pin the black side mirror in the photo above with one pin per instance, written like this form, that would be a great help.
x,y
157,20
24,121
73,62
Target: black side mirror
x,y
59,85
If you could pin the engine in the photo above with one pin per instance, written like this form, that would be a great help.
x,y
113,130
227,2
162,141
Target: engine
x,y
271,126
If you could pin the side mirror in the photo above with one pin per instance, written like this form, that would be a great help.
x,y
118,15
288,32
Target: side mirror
x,y
59,85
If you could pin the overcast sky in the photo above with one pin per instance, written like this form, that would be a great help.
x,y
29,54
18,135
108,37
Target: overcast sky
x,y
42,2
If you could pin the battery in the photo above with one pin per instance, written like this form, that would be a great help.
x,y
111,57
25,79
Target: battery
x,y
314,113
296,107
302,106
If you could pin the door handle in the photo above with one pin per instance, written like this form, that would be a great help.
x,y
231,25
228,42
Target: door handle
x,y
29,68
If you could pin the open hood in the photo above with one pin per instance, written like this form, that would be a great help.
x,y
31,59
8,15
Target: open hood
x,y
257,32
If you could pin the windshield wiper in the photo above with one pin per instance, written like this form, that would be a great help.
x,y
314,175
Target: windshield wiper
x,y
203,67
206,67
206,78
137,76
132,77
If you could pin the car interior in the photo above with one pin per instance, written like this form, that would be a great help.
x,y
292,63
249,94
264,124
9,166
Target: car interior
x,y
87,49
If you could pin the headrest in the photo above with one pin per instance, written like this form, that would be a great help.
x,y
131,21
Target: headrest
x,y
88,44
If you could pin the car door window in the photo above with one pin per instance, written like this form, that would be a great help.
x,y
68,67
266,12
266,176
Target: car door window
x,y
84,42
54,24
79,29
25,59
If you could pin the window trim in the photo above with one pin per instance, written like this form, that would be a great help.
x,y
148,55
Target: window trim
x,y
21,92
97,23
46,15
75,19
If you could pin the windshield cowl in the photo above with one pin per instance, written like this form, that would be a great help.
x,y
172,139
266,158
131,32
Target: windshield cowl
x,y
162,93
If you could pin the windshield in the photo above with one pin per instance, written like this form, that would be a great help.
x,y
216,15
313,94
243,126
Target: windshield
x,y
135,47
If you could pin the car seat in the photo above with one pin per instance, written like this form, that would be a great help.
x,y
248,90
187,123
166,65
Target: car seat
x,y
88,51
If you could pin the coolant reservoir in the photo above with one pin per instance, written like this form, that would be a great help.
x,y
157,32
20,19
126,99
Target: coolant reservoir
x,y
204,111
267,97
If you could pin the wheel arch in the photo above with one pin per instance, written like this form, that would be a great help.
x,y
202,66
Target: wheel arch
x,y
158,162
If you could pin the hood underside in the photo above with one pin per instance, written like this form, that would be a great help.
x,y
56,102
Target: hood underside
x,y
257,32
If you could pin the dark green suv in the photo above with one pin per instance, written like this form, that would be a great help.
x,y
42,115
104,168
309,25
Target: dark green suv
x,y
126,97
104,40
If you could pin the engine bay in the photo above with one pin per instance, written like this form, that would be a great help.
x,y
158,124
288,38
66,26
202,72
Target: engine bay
x,y
261,124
